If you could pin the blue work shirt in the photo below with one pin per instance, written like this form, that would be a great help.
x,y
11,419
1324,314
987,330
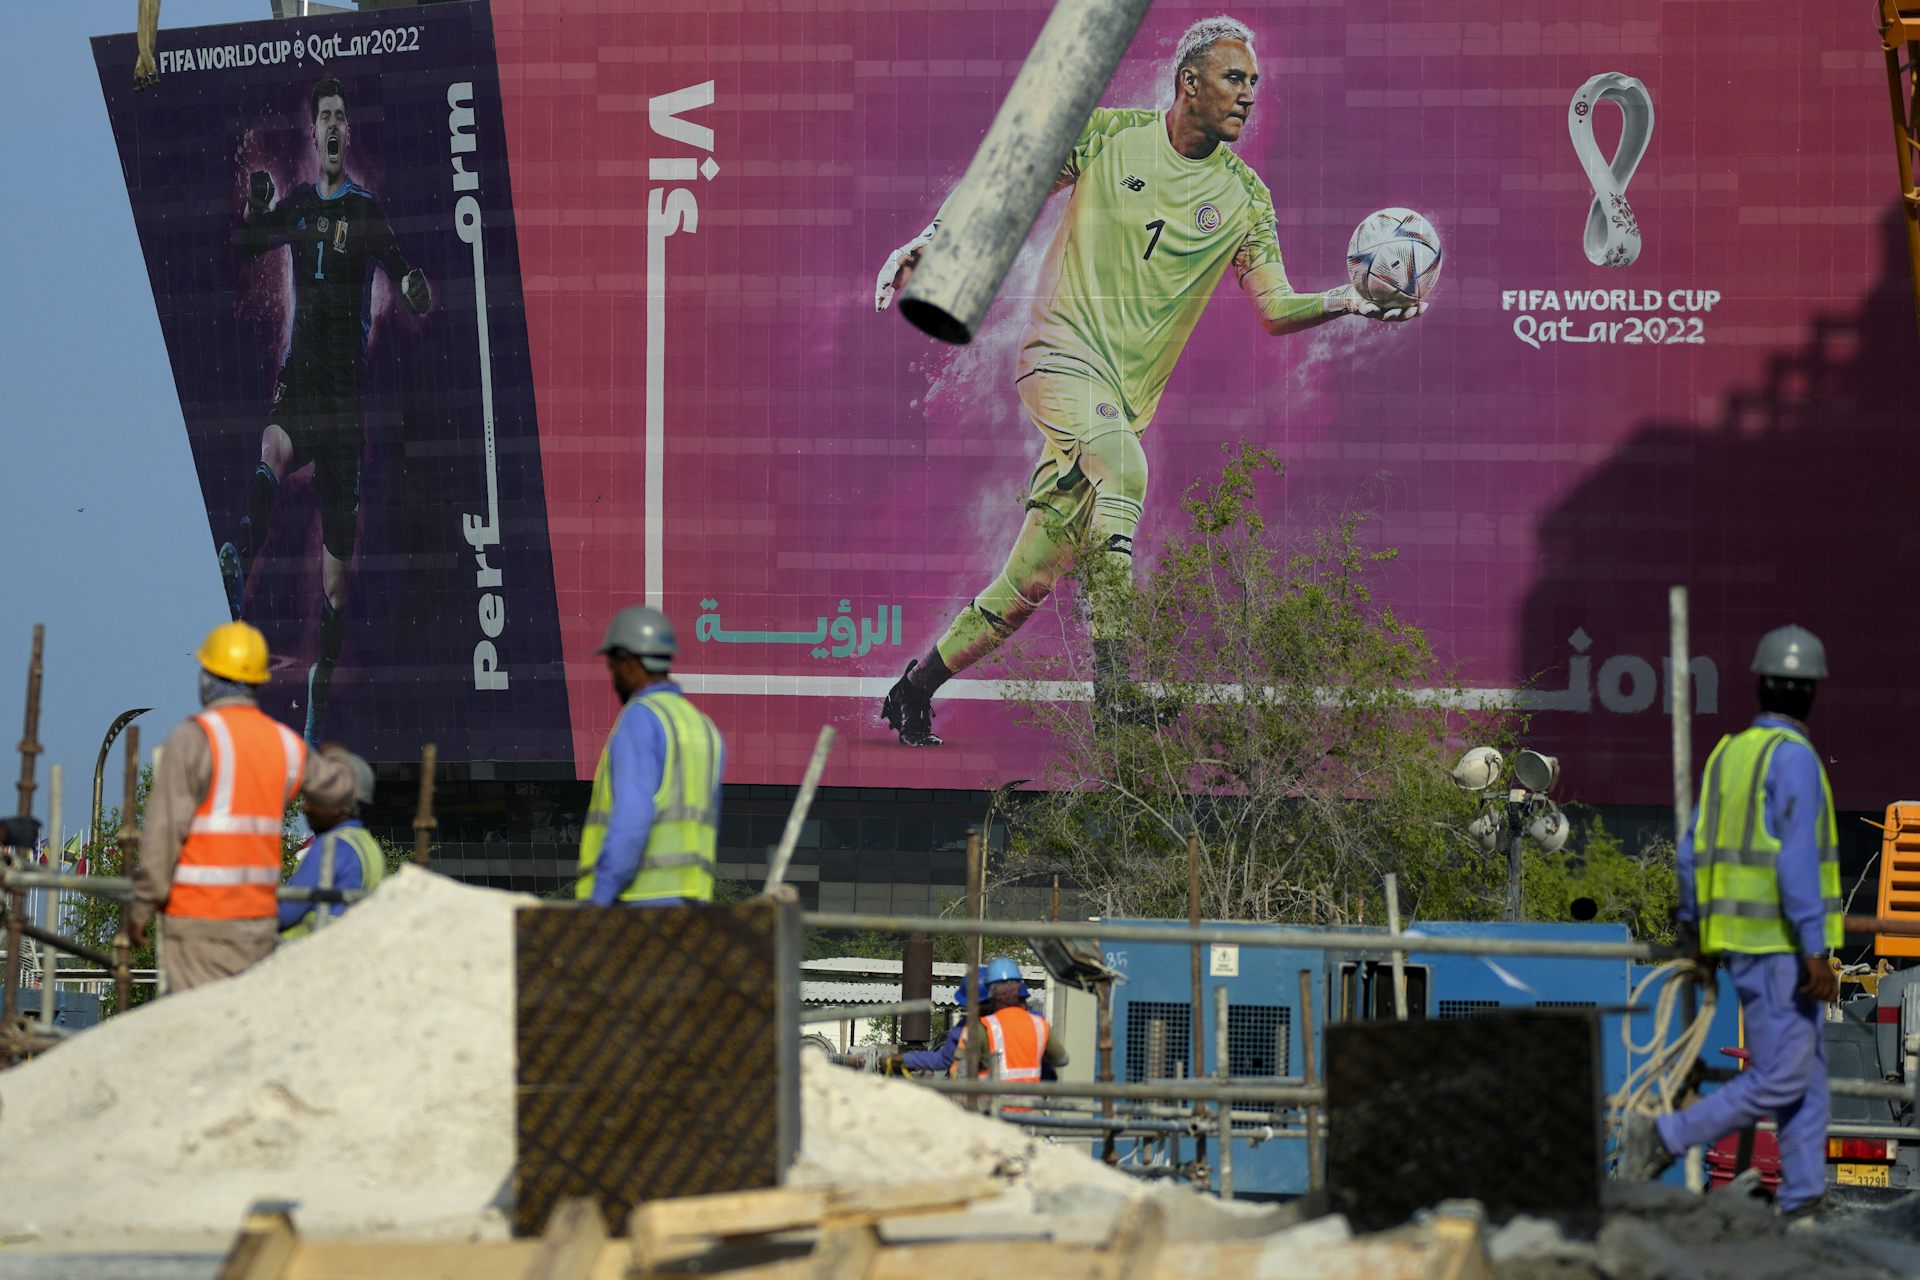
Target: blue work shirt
x,y
346,871
940,1059
636,762
1795,802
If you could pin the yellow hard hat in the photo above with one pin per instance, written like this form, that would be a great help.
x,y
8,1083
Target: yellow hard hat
x,y
235,651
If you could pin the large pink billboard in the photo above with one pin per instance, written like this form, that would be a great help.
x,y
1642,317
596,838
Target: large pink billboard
x,y
1673,342
812,489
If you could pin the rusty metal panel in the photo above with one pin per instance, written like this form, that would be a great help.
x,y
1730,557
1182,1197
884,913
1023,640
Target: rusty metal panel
x,y
1504,1108
657,1053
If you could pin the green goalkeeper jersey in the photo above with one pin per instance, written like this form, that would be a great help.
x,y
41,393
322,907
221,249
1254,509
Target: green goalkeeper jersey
x,y
1147,235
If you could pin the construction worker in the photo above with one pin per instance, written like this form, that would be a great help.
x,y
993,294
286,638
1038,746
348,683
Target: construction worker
x,y
342,855
1760,887
210,844
653,822
1015,1032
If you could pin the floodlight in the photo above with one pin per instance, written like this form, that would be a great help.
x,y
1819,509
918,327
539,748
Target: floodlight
x,y
1536,772
1550,830
1479,769
1486,830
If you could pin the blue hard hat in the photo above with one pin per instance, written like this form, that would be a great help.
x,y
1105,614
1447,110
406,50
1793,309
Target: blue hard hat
x,y
1001,969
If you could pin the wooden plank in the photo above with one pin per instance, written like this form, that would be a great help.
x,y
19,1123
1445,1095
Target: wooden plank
x,y
380,1260
1139,1233
662,1230
265,1244
571,1244
907,1199
845,1252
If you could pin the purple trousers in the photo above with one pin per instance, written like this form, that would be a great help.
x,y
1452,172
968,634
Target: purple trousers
x,y
1786,1077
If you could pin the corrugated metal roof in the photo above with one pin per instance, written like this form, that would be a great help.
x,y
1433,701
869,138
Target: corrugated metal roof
x,y
852,993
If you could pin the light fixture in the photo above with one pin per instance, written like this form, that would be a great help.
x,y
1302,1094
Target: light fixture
x,y
1479,769
1536,772
1550,829
1486,829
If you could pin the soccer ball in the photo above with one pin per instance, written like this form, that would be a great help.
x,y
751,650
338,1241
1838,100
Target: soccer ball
x,y
1394,258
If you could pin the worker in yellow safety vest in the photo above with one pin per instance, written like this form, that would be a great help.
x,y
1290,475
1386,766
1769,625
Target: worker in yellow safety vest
x,y
1760,887
343,855
210,842
653,821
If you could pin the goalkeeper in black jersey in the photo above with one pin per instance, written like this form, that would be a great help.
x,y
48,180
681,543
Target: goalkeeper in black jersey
x,y
335,232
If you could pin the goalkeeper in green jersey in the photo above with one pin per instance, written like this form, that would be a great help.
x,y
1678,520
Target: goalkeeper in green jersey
x,y
1160,209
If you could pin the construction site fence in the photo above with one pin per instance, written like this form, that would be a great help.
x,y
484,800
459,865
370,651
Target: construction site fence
x,y
1281,936
120,888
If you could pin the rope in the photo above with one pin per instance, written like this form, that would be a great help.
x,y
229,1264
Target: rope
x,y
1655,1085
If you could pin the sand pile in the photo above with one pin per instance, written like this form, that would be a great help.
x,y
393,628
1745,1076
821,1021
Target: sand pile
x,y
366,1072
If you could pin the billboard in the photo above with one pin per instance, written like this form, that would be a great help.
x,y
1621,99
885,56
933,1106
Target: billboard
x,y
327,221
1670,346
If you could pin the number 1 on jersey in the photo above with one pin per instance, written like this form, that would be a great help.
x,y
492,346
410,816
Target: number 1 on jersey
x,y
1156,226
320,261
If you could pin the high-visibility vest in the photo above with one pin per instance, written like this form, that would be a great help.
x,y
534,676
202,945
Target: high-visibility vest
x,y
1019,1036
230,862
359,843
679,857
1735,857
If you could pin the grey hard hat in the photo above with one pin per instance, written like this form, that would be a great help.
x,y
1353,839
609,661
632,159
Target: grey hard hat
x,y
643,632
1791,653
362,779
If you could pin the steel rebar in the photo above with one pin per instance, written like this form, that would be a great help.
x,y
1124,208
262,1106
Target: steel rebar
x,y
783,852
128,839
1315,1175
974,1039
423,819
1174,1090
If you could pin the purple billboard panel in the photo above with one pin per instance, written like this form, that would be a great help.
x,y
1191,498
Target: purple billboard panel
x,y
1672,344
327,222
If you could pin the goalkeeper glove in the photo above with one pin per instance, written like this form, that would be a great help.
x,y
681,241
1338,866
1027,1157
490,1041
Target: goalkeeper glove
x,y
907,255
414,289
259,192
1346,300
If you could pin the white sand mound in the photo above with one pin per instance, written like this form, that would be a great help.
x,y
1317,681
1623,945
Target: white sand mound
x,y
365,1072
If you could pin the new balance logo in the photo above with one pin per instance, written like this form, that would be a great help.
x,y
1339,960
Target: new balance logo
x,y
1132,183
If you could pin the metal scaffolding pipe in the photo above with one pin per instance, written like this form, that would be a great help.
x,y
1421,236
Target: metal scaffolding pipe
x,y
1246,936
1173,1090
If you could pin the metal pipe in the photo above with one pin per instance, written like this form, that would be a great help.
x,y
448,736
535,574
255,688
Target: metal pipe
x,y
1220,1057
1197,1034
1092,1128
121,887
129,842
1315,1176
1250,936
423,819
120,722
50,901
916,983
865,1011
1103,1051
1399,956
1175,1090
17,903
974,1038
48,938
986,219
783,852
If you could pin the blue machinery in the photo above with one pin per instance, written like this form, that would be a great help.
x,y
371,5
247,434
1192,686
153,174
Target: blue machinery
x,y
1153,1014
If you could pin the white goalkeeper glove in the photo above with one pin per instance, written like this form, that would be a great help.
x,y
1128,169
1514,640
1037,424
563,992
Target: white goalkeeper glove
x,y
1346,300
906,256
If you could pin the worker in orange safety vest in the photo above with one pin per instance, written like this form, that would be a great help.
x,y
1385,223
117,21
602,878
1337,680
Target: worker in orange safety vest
x,y
210,849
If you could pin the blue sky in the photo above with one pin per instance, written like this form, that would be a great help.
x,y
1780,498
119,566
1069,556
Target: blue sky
x,y
106,539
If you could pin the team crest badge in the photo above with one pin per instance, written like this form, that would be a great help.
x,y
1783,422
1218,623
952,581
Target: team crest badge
x,y
339,236
323,226
1207,218
1106,410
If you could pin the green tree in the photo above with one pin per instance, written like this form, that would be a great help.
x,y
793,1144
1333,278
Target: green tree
x,y
1294,736
1634,888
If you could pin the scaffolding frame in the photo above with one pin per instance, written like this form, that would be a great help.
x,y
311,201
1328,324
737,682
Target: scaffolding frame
x,y
1900,31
